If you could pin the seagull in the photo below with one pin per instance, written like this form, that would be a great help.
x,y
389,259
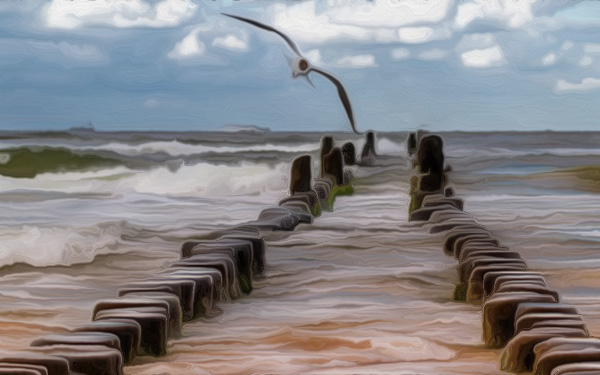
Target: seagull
x,y
301,67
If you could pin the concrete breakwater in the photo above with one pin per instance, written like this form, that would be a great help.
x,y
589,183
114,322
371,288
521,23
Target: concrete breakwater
x,y
147,312
520,313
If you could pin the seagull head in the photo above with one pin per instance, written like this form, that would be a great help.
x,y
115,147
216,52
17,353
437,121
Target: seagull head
x,y
301,67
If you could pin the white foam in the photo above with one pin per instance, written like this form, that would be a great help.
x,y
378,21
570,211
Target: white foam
x,y
59,245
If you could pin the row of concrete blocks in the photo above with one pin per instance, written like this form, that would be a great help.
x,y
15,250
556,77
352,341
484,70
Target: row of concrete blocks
x,y
541,334
520,312
308,195
148,312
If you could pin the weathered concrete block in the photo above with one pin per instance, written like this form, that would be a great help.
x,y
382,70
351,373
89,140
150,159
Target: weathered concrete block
x,y
349,153
430,155
490,279
184,289
369,152
466,268
154,323
301,174
128,332
475,242
559,351
519,355
536,307
208,287
239,251
411,144
499,315
578,368
87,359
489,252
80,338
423,214
524,286
220,262
53,364
475,282
437,199
16,369
538,320
333,165
171,306
455,234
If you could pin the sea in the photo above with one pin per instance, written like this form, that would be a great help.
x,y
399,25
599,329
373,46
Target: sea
x,y
360,291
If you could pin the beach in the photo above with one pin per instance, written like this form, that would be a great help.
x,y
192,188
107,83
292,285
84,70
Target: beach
x,y
361,290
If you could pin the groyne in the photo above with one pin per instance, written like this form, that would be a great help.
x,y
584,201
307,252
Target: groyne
x,y
521,314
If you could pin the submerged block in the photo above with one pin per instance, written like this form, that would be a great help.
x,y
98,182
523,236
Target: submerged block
x,y
437,199
16,369
80,338
54,365
499,315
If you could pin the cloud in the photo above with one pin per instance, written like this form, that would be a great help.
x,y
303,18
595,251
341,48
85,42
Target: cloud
x,y
400,54
483,58
586,84
75,52
73,14
188,47
511,12
549,59
357,61
151,103
382,21
230,42
314,56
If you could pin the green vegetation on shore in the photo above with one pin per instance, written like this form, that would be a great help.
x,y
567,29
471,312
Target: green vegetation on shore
x,y
27,163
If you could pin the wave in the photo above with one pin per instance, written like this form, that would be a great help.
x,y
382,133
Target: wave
x,y
62,245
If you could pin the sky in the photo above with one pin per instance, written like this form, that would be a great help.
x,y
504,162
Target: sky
x,y
440,65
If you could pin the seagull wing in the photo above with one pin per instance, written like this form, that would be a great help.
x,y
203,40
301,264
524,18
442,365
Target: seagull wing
x,y
290,42
343,96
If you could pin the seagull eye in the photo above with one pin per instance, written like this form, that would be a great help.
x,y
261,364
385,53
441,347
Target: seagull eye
x,y
303,65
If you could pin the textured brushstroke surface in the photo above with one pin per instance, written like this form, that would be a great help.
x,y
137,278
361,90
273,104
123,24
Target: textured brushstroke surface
x,y
359,291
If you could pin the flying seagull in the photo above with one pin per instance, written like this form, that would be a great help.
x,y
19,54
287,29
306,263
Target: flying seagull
x,y
302,67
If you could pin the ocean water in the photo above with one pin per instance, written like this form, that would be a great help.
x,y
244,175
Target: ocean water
x,y
361,290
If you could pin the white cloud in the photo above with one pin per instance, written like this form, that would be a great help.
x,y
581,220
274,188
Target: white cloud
x,y
514,13
374,21
314,56
72,14
475,41
188,47
399,53
549,59
483,58
415,34
586,61
586,84
230,42
357,61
